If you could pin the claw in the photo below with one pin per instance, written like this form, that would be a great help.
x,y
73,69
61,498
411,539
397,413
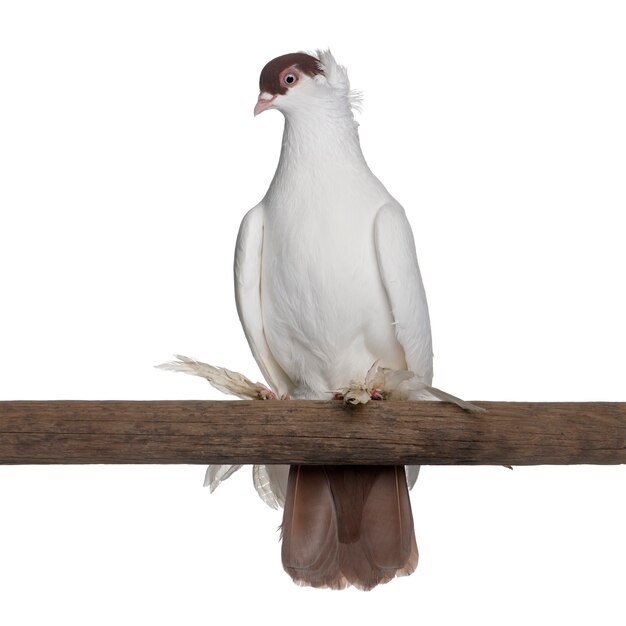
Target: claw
x,y
376,394
267,394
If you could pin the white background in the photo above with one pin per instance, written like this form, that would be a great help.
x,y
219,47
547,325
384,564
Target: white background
x,y
128,156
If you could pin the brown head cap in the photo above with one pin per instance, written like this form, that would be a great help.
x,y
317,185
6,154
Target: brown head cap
x,y
272,79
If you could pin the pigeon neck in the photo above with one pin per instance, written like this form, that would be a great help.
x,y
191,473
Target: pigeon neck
x,y
321,139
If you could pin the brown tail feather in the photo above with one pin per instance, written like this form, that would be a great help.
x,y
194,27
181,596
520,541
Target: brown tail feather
x,y
347,525
357,568
309,530
387,522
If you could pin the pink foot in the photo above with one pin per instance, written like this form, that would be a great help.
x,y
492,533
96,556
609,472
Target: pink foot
x,y
377,395
339,397
267,394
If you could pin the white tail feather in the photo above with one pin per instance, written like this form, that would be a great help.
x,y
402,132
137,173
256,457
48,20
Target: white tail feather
x,y
215,474
270,482
412,472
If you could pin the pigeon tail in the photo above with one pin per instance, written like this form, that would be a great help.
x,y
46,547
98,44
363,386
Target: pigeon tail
x,y
347,525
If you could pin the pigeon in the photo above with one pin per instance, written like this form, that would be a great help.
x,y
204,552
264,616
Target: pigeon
x,y
327,285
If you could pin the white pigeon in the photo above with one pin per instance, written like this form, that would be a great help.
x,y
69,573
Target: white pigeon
x,y
327,285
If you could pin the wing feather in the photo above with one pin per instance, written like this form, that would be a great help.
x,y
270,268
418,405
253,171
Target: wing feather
x,y
399,270
247,270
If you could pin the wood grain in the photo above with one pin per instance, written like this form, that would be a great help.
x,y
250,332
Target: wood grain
x,y
429,433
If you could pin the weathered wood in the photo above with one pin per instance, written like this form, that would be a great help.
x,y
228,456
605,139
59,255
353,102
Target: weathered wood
x,y
429,433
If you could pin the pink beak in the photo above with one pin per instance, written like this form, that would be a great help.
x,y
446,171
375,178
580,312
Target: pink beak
x,y
264,102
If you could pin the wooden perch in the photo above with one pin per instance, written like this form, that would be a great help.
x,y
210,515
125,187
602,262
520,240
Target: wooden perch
x,y
429,433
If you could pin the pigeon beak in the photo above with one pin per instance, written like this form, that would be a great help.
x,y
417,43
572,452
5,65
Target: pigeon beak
x,y
264,102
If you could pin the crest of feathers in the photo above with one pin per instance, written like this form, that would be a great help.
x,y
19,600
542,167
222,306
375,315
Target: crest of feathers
x,y
337,77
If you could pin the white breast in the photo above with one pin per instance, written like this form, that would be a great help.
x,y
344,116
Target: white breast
x,y
326,315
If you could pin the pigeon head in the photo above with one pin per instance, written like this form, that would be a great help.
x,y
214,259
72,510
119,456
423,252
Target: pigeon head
x,y
285,76
299,82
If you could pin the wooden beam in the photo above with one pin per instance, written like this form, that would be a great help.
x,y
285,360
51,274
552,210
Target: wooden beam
x,y
429,433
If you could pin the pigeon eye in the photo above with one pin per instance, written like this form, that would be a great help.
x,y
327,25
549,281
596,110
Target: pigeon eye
x,y
290,79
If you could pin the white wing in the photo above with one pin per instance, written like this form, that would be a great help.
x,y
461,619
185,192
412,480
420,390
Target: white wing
x,y
248,255
397,261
